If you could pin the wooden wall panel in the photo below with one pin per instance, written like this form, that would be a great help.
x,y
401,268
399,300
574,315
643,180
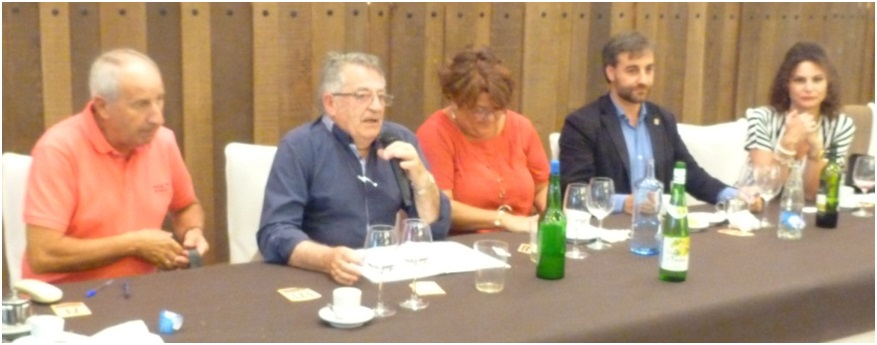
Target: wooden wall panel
x,y
407,67
356,27
298,93
599,34
123,25
466,25
379,31
23,105
693,80
720,68
507,42
540,79
84,48
197,95
434,52
163,45
249,72
55,55
267,73
328,26
580,68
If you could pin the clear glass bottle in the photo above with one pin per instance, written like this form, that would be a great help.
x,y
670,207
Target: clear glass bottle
x,y
791,223
646,222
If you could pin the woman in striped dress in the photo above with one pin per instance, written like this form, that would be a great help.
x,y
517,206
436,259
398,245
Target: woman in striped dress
x,y
803,119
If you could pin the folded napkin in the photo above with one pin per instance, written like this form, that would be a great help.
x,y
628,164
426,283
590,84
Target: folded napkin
x,y
743,221
126,332
614,235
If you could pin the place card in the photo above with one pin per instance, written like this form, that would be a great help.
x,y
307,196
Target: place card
x,y
425,288
735,232
297,294
524,248
71,309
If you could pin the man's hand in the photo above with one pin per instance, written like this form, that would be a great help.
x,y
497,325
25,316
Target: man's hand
x,y
156,246
343,265
193,239
409,161
628,204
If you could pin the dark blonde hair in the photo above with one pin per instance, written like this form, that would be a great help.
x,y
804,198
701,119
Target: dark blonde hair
x,y
800,52
472,72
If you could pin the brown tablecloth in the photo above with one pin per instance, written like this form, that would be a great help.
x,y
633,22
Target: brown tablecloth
x,y
739,289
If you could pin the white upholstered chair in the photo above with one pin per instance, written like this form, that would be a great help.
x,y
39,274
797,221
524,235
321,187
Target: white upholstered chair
x,y
246,173
718,148
15,170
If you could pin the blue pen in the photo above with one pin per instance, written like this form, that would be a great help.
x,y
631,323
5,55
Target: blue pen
x,y
94,291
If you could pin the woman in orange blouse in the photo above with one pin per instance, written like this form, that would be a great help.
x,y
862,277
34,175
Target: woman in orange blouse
x,y
487,159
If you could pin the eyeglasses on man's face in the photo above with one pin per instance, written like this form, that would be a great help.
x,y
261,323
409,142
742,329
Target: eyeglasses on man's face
x,y
366,97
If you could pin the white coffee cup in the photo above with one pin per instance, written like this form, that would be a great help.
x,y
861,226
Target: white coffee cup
x,y
346,301
47,327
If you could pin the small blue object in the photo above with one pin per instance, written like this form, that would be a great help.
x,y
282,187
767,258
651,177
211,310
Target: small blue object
x,y
126,290
555,167
169,322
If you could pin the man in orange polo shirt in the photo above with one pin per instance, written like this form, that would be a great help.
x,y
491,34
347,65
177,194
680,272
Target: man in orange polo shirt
x,y
103,180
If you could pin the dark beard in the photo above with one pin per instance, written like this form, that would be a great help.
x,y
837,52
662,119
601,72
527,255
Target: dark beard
x,y
627,95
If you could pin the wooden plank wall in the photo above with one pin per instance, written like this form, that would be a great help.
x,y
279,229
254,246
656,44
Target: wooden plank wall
x,y
247,72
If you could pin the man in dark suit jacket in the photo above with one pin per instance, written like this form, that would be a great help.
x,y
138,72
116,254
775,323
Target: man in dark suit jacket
x,y
607,137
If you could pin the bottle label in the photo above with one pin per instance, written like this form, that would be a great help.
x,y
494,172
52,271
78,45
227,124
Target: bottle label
x,y
679,176
677,212
820,202
674,254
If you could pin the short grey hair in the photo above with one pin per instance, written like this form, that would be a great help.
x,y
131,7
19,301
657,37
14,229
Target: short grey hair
x,y
627,42
332,79
103,79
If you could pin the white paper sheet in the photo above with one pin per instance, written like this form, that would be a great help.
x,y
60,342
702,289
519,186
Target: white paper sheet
x,y
442,258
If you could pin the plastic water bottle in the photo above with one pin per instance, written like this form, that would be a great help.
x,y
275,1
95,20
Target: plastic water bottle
x,y
791,223
646,228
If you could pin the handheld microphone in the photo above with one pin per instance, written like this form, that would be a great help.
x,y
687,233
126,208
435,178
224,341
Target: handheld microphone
x,y
386,139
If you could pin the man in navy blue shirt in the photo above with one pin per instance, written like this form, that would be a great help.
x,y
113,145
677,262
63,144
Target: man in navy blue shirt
x,y
332,178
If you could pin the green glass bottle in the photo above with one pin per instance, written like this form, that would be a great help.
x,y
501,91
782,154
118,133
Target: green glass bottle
x,y
673,266
827,196
552,231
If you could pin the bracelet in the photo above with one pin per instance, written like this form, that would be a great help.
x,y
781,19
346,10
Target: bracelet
x,y
499,211
779,148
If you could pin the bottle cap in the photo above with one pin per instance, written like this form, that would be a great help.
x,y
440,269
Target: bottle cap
x,y
555,167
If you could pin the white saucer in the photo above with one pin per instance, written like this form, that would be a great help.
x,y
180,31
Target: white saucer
x,y
700,220
13,332
362,315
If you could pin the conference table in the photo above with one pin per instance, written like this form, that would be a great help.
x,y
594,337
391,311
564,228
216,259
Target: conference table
x,y
739,289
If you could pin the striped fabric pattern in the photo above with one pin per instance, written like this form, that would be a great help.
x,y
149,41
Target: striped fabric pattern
x,y
765,127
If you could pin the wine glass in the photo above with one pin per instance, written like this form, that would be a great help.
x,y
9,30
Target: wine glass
x,y
600,205
415,250
768,177
577,218
863,177
381,243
